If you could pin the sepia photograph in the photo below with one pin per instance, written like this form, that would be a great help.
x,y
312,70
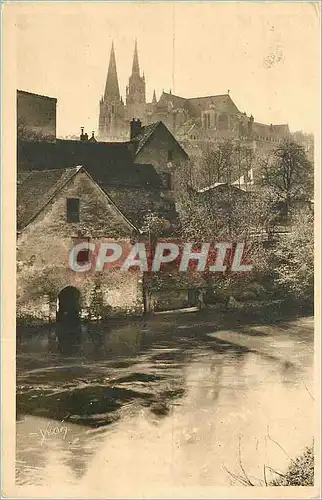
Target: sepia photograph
x,y
163,203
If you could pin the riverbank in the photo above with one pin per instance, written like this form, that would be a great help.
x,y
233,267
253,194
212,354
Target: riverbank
x,y
268,312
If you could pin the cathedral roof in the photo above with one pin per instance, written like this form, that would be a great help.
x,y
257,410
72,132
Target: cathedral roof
x,y
196,105
220,102
264,130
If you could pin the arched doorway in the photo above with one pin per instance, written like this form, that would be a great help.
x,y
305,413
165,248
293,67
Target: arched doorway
x,y
69,304
68,320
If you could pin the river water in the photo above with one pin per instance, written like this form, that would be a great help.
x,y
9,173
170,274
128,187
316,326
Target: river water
x,y
147,410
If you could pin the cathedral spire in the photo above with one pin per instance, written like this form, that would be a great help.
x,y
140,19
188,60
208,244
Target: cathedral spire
x,y
112,91
154,98
135,65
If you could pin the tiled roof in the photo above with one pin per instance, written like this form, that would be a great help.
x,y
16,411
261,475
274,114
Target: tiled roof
x,y
146,132
222,103
264,130
36,188
196,105
108,163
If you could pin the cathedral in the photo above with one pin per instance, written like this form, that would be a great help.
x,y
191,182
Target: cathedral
x,y
115,115
191,120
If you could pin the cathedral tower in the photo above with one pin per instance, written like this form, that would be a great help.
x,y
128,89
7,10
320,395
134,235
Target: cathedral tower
x,y
111,117
135,91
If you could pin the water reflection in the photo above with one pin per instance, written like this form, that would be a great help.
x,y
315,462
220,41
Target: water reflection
x,y
147,410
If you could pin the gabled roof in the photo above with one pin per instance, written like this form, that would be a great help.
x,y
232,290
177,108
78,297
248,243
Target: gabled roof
x,y
196,105
147,133
37,188
220,187
144,136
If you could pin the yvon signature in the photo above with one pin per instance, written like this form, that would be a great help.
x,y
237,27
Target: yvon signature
x,y
52,430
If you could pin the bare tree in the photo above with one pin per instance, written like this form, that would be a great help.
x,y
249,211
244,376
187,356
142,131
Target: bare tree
x,y
288,174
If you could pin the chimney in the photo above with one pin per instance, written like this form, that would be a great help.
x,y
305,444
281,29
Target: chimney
x,y
92,139
82,134
135,128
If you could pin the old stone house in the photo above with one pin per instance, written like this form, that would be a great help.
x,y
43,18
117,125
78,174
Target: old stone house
x,y
56,209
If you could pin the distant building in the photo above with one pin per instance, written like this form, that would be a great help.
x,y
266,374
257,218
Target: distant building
x,y
193,121
36,116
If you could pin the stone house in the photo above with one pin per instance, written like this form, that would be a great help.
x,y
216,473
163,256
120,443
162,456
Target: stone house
x,y
55,210
155,144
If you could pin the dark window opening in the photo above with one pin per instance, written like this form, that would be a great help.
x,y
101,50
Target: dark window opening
x,y
83,256
72,209
170,155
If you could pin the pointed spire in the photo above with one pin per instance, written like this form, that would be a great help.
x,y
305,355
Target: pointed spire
x,y
135,65
154,98
112,86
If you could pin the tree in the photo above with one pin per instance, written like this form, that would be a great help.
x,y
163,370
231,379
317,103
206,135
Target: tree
x,y
293,257
288,175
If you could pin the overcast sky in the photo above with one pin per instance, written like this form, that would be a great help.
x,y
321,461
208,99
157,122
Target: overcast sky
x,y
266,54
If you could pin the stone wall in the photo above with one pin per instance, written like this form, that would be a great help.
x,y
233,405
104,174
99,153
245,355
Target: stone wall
x,y
36,116
157,148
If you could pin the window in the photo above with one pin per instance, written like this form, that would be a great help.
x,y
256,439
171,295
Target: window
x,y
83,256
170,155
72,209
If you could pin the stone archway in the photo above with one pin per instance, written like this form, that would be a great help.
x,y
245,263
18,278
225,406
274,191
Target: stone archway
x,y
69,305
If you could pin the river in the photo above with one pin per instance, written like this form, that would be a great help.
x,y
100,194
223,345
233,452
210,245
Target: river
x,y
147,410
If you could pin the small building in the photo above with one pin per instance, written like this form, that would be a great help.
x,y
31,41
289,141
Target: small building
x,y
156,144
57,209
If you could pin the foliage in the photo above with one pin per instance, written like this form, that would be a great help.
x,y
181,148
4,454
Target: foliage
x,y
300,472
287,174
224,161
24,132
154,225
293,257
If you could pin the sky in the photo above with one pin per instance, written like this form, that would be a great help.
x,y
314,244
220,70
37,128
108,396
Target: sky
x,y
266,54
